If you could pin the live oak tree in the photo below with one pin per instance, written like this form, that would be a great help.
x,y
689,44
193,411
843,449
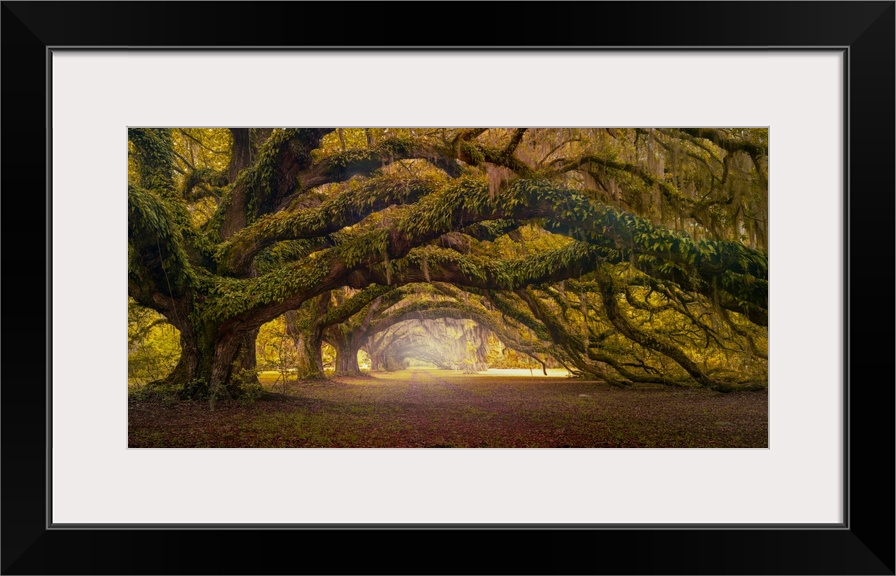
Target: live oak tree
x,y
636,255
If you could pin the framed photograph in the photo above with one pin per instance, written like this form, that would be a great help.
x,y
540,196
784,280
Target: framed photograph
x,y
813,81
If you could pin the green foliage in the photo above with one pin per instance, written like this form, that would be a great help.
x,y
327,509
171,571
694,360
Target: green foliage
x,y
343,165
153,345
275,349
154,157
248,386
155,232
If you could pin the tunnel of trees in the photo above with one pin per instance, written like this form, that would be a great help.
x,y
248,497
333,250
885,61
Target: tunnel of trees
x,y
630,256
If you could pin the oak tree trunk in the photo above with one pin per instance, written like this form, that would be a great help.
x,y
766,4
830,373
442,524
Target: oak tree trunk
x,y
346,355
214,362
240,152
309,361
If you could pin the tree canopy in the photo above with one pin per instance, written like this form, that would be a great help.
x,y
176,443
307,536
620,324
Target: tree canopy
x,y
630,255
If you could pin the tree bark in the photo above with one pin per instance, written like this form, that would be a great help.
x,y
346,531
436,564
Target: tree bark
x,y
347,343
346,359
392,364
240,153
307,341
214,363
196,357
309,363
377,361
233,365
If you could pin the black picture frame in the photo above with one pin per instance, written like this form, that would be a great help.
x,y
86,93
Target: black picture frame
x,y
864,544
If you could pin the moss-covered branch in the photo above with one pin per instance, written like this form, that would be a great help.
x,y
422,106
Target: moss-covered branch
x,y
608,292
608,234
157,259
345,209
154,155
353,305
261,188
347,164
589,162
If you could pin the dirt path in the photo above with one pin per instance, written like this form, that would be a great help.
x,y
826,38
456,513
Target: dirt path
x,y
424,382
442,408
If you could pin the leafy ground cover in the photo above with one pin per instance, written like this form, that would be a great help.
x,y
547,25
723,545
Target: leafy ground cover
x,y
421,408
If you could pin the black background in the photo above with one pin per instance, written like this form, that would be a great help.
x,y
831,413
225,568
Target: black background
x,y
864,546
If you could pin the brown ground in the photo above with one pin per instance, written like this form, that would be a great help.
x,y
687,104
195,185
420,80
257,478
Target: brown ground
x,y
439,408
